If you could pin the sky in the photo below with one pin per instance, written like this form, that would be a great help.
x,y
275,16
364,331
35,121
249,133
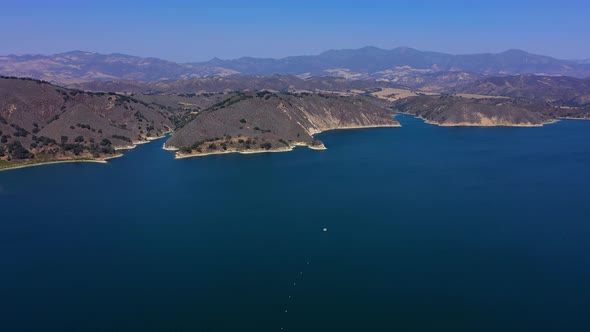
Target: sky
x,y
188,31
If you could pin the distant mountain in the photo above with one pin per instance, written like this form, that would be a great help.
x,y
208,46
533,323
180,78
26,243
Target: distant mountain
x,y
399,64
372,61
562,91
78,66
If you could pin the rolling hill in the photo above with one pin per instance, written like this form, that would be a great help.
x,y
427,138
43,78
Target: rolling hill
x,y
448,110
237,83
40,121
268,121
557,90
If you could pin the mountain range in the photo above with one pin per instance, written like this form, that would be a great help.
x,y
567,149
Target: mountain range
x,y
396,65
377,62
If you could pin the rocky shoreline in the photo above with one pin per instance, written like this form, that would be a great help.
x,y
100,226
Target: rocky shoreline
x,y
58,161
102,160
291,147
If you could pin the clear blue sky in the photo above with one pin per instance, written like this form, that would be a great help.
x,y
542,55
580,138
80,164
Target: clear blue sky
x,y
199,30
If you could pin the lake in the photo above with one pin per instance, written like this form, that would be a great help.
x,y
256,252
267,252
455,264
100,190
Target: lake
x,y
427,229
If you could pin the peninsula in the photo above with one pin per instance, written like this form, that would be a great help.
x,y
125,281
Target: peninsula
x,y
266,121
449,110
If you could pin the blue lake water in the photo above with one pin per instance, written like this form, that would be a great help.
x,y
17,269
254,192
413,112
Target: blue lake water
x,y
428,229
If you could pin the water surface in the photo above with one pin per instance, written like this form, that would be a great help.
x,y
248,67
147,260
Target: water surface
x,y
429,229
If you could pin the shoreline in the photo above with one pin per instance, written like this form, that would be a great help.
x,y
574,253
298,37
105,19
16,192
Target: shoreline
x,y
286,149
570,118
398,125
136,143
479,125
98,161
131,147
468,124
103,160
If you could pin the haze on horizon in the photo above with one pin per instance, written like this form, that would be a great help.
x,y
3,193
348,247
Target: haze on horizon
x,y
186,31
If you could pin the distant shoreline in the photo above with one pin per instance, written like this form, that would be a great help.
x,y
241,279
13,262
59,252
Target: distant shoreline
x,y
136,143
398,125
98,160
43,163
570,118
467,124
285,149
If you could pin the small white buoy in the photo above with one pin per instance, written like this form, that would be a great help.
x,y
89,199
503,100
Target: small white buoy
x,y
325,229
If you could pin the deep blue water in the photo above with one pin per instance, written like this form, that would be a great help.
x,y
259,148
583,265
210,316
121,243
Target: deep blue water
x,y
429,229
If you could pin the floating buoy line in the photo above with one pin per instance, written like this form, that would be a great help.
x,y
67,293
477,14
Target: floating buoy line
x,y
290,297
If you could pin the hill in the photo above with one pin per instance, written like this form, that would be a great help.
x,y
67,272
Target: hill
x,y
268,121
237,83
40,122
447,110
557,90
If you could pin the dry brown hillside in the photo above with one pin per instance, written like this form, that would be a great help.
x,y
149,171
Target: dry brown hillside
x,y
448,110
256,121
42,121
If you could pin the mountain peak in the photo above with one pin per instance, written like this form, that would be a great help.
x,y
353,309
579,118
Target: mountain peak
x,y
77,52
514,51
404,48
370,48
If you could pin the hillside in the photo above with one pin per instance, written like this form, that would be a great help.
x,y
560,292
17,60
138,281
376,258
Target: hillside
x,y
238,83
441,81
268,121
557,90
447,110
40,122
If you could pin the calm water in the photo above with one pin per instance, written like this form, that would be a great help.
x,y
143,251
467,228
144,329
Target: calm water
x,y
429,229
